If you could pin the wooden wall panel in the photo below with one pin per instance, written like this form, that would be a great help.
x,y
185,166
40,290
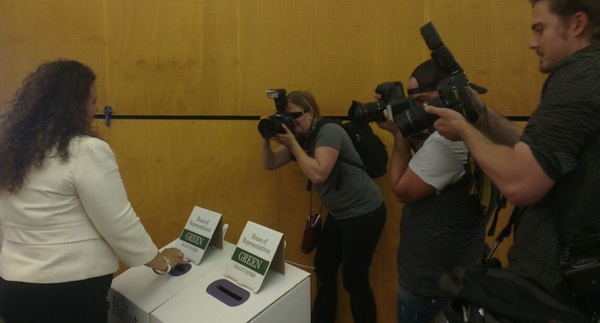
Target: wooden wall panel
x,y
35,32
170,166
217,58
338,50
176,58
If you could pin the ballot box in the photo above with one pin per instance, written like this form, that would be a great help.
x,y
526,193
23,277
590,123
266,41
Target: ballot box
x,y
138,291
281,298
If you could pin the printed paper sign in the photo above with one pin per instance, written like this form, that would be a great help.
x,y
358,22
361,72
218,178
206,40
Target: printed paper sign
x,y
259,248
199,233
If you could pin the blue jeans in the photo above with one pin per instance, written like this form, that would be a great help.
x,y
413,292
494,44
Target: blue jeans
x,y
351,243
413,308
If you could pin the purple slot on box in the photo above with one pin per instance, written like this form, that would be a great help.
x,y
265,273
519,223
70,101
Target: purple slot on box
x,y
228,292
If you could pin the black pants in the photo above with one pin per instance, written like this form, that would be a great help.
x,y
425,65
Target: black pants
x,y
78,301
350,243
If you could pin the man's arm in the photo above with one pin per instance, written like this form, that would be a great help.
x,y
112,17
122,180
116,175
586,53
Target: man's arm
x,y
498,128
406,185
507,161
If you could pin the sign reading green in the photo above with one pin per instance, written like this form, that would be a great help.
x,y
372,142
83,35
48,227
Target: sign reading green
x,y
194,239
250,261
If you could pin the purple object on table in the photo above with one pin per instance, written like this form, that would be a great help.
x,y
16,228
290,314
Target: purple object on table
x,y
180,269
228,292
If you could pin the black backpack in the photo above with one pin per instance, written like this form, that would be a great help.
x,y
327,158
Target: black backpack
x,y
369,146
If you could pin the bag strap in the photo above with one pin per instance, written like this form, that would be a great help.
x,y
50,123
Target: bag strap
x,y
310,211
516,213
483,187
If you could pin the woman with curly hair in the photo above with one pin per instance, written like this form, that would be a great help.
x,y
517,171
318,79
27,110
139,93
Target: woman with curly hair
x,y
65,217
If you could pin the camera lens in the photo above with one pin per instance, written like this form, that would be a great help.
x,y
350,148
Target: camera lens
x,y
363,113
414,120
274,125
267,127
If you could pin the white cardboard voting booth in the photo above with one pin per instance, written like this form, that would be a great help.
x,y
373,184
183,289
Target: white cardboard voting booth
x,y
282,298
138,291
243,289
206,293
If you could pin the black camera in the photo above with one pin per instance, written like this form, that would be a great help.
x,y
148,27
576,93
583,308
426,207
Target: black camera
x,y
390,91
274,124
452,89
392,99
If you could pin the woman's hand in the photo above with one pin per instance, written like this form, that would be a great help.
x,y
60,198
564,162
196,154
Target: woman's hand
x,y
174,255
167,259
287,139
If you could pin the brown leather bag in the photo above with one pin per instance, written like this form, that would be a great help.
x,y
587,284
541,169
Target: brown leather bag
x,y
312,233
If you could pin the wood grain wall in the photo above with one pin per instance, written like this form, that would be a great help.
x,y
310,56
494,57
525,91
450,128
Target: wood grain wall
x,y
190,77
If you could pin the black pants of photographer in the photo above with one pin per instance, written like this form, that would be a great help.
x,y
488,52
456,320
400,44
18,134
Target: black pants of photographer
x,y
77,301
350,243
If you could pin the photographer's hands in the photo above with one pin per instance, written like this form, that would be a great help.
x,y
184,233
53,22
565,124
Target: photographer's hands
x,y
287,139
389,125
451,124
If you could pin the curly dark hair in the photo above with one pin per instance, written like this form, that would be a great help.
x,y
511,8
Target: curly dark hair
x,y
46,112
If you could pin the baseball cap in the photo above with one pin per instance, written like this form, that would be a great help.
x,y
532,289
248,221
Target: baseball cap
x,y
428,75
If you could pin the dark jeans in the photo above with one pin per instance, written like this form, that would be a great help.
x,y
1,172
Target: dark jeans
x,y
413,308
350,243
77,301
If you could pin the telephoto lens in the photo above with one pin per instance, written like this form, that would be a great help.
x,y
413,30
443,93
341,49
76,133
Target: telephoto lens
x,y
363,113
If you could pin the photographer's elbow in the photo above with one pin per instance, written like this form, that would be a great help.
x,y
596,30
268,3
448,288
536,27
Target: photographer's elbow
x,y
521,195
269,165
319,180
403,196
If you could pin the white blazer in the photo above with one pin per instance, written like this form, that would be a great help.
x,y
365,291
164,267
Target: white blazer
x,y
71,221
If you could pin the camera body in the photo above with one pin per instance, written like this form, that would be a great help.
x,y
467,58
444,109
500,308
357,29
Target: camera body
x,y
452,89
390,91
274,124
392,100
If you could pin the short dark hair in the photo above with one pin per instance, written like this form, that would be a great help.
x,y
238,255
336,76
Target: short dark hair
x,y
428,75
565,9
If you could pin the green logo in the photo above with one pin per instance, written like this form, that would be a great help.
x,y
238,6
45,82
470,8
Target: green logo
x,y
194,239
250,261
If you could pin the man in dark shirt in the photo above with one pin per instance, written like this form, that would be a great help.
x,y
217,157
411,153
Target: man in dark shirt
x,y
552,166
442,225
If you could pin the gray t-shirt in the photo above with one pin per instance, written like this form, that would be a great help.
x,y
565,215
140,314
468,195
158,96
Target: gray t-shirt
x,y
349,191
